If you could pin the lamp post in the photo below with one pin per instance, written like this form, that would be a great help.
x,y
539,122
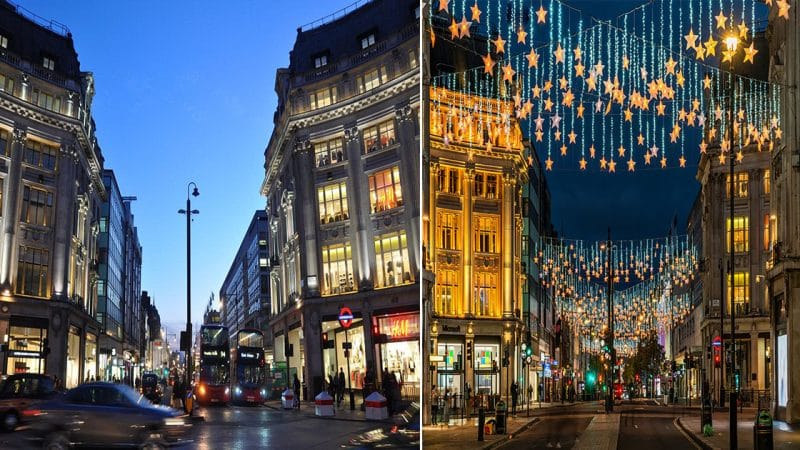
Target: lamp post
x,y
731,43
189,212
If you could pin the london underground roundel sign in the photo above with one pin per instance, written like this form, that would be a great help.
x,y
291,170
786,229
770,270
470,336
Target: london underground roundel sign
x,y
345,317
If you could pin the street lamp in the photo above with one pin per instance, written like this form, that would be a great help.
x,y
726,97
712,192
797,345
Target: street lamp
x,y
731,43
189,212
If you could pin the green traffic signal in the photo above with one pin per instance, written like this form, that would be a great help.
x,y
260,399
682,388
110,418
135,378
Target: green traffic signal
x,y
590,378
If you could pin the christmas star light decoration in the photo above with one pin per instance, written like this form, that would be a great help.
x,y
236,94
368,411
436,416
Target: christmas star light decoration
x,y
691,39
721,20
578,53
572,136
541,15
682,161
580,110
548,163
508,73
521,35
663,161
476,12
582,163
647,157
563,150
743,30
670,65
559,54
463,27
631,165
749,53
592,151
500,44
783,8
612,166
488,63
454,29
603,162
443,5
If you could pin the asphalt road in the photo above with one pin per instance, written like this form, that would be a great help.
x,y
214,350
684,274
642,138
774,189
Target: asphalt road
x,y
551,432
258,427
640,431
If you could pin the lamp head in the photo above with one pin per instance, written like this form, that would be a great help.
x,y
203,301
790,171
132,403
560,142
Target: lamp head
x,y
195,192
732,42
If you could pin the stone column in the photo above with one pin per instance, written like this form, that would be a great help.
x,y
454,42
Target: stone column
x,y
753,364
466,266
11,197
62,223
313,375
409,176
307,219
509,188
433,171
359,211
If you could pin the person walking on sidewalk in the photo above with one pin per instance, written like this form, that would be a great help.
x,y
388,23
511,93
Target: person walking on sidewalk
x,y
340,383
514,397
296,383
434,405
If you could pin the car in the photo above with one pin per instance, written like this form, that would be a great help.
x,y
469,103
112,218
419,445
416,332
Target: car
x,y
402,434
106,415
150,388
18,392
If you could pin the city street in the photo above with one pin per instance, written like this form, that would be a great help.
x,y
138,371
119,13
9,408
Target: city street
x,y
237,427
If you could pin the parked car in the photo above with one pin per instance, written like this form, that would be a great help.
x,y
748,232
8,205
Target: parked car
x,y
106,415
19,392
151,388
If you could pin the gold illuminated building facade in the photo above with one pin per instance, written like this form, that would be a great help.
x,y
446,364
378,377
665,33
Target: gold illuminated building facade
x,y
473,240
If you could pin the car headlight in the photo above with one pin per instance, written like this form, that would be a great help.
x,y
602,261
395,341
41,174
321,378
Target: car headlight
x,y
238,391
173,422
202,390
227,391
263,392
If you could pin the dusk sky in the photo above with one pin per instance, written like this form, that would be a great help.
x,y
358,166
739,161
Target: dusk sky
x,y
185,92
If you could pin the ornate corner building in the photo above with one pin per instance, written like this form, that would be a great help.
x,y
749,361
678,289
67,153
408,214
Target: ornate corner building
x,y
341,188
52,191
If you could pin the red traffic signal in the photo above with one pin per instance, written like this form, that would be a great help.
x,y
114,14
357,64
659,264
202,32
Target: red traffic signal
x,y
717,360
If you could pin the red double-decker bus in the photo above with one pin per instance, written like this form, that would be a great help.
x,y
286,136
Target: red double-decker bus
x,y
249,370
213,387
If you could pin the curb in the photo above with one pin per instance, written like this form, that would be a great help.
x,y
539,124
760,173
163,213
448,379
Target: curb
x,y
696,439
510,436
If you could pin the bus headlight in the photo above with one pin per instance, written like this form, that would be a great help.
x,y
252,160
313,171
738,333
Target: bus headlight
x,y
263,393
238,391
202,390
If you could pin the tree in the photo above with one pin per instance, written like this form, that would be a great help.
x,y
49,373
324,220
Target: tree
x,y
648,358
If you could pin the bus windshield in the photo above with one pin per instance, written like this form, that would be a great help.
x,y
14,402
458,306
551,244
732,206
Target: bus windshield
x,y
215,337
251,339
251,374
214,374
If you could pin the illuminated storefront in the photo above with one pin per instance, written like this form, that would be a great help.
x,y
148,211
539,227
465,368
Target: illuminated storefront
x,y
73,377
26,343
90,357
399,352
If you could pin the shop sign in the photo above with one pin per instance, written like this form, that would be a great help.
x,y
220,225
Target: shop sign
x,y
451,329
24,354
717,341
399,327
345,317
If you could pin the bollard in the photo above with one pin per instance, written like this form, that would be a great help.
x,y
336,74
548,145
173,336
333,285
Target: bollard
x,y
762,431
501,417
481,422
705,414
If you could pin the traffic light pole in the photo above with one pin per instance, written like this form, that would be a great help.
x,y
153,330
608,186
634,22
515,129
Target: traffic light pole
x,y
610,394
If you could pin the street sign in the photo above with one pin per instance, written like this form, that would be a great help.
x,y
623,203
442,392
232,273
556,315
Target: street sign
x,y
345,317
717,341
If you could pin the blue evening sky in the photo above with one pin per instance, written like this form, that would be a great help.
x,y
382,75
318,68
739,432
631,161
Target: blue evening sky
x,y
185,92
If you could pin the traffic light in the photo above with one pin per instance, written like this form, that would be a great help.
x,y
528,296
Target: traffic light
x,y
590,378
494,366
506,358
327,342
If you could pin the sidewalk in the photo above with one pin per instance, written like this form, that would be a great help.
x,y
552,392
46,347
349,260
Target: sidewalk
x,y
465,435
342,413
784,436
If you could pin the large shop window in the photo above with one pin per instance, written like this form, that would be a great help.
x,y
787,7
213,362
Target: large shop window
x,y
391,257
337,269
741,234
400,353
448,292
357,356
783,370
26,345
73,358
742,292
90,357
332,203
486,357
32,271
329,152
379,136
37,206
384,190
447,224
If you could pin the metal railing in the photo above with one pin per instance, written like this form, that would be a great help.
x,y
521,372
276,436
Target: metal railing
x,y
52,25
334,15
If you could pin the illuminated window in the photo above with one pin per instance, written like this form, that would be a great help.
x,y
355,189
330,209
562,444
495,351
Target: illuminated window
x,y
48,63
447,225
766,181
323,97
320,61
486,234
485,185
46,101
391,258
741,292
332,201
487,299
379,136
40,155
329,152
384,190
448,292
337,269
740,185
449,180
741,234
371,79
368,41
3,41
37,206
767,234
6,84
32,271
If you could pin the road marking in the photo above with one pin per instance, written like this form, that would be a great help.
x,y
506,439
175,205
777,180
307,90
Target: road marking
x,y
680,429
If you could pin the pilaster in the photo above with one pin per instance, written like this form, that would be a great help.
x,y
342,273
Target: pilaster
x,y
10,206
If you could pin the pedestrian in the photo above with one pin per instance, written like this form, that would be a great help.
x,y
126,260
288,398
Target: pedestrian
x,y
467,395
340,383
514,397
434,404
296,383
332,385
446,419
530,392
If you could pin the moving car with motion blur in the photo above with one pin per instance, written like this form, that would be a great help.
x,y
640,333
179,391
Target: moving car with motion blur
x,y
19,392
150,388
403,433
106,415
